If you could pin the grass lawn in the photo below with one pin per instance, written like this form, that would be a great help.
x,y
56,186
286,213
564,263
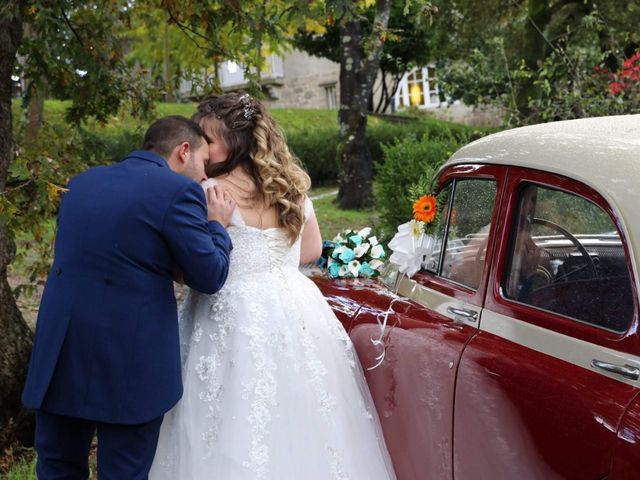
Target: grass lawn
x,y
18,464
23,470
287,117
22,466
332,219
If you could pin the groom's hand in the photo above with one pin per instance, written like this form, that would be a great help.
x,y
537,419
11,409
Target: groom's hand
x,y
220,205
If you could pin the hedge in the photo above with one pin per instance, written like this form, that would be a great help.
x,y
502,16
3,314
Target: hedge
x,y
404,162
312,134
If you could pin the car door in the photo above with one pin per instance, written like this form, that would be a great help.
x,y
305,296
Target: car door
x,y
543,386
411,376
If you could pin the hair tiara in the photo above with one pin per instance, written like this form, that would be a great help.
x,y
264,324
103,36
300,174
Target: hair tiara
x,y
249,110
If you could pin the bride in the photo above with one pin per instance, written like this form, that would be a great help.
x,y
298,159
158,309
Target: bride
x,y
273,388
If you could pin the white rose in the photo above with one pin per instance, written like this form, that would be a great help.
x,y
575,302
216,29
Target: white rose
x,y
373,240
375,264
354,267
343,271
377,251
364,232
361,249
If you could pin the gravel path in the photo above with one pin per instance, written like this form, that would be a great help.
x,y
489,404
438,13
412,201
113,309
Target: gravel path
x,y
323,195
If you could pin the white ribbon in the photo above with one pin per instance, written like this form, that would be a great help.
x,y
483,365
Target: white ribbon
x,y
409,250
379,342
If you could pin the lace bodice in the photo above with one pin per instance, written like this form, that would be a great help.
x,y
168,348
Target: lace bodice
x,y
257,251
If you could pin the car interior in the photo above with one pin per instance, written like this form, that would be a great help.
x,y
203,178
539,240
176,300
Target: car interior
x,y
567,257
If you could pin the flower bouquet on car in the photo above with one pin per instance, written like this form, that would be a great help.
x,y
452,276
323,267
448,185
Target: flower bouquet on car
x,y
414,239
353,254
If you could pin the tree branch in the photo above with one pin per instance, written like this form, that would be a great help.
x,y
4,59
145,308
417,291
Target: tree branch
x,y
555,8
380,23
73,30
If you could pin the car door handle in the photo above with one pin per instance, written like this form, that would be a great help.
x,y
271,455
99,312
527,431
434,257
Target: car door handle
x,y
463,312
627,371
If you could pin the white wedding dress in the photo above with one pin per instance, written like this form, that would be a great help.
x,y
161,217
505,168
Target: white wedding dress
x,y
273,388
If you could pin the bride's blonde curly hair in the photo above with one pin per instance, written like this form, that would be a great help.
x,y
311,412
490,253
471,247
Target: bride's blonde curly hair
x,y
257,144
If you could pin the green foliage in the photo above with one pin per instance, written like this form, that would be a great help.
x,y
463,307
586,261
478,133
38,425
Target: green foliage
x,y
407,37
407,42
381,131
583,91
166,53
74,50
313,135
484,77
22,470
246,32
535,61
423,186
405,162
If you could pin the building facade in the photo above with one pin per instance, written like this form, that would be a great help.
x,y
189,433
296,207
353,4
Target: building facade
x,y
299,80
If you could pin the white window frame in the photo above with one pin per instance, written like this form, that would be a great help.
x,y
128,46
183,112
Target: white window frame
x,y
402,98
331,95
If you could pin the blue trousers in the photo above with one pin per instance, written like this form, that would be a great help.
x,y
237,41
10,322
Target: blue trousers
x,y
125,452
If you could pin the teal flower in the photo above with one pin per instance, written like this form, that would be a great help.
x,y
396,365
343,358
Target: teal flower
x,y
337,251
357,239
334,270
347,255
366,270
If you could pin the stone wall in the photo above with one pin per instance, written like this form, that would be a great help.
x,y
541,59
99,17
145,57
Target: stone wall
x,y
461,113
305,82
306,79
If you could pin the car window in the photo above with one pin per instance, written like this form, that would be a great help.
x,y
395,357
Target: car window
x,y
566,256
466,228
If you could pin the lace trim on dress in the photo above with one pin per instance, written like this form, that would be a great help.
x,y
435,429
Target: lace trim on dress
x,y
261,389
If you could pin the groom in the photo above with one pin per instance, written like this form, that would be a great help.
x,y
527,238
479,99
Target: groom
x,y
106,351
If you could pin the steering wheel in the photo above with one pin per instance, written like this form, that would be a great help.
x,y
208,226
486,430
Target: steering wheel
x,y
569,236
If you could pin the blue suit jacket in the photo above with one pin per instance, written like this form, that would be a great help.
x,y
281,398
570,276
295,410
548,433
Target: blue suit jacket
x,y
106,346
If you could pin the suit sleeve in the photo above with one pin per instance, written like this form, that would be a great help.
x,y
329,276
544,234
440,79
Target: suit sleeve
x,y
201,248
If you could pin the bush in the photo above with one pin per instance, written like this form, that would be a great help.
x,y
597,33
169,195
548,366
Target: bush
x,y
313,136
404,162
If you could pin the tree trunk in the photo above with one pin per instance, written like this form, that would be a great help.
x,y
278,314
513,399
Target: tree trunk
x,y
16,338
35,111
358,69
34,95
605,40
166,66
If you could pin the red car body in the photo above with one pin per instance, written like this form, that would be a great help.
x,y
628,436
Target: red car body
x,y
478,384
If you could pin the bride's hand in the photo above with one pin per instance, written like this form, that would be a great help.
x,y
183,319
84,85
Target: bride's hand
x,y
220,205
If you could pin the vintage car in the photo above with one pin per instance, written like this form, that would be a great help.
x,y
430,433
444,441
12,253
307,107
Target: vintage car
x,y
514,353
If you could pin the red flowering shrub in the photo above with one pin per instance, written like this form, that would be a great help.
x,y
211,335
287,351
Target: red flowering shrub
x,y
627,79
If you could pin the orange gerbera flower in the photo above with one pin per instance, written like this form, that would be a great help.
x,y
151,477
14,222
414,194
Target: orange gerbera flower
x,y
424,210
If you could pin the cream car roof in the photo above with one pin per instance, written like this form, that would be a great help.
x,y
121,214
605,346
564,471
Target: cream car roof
x,y
601,152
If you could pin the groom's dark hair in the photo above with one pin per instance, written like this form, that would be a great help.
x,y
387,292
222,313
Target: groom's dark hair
x,y
168,132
